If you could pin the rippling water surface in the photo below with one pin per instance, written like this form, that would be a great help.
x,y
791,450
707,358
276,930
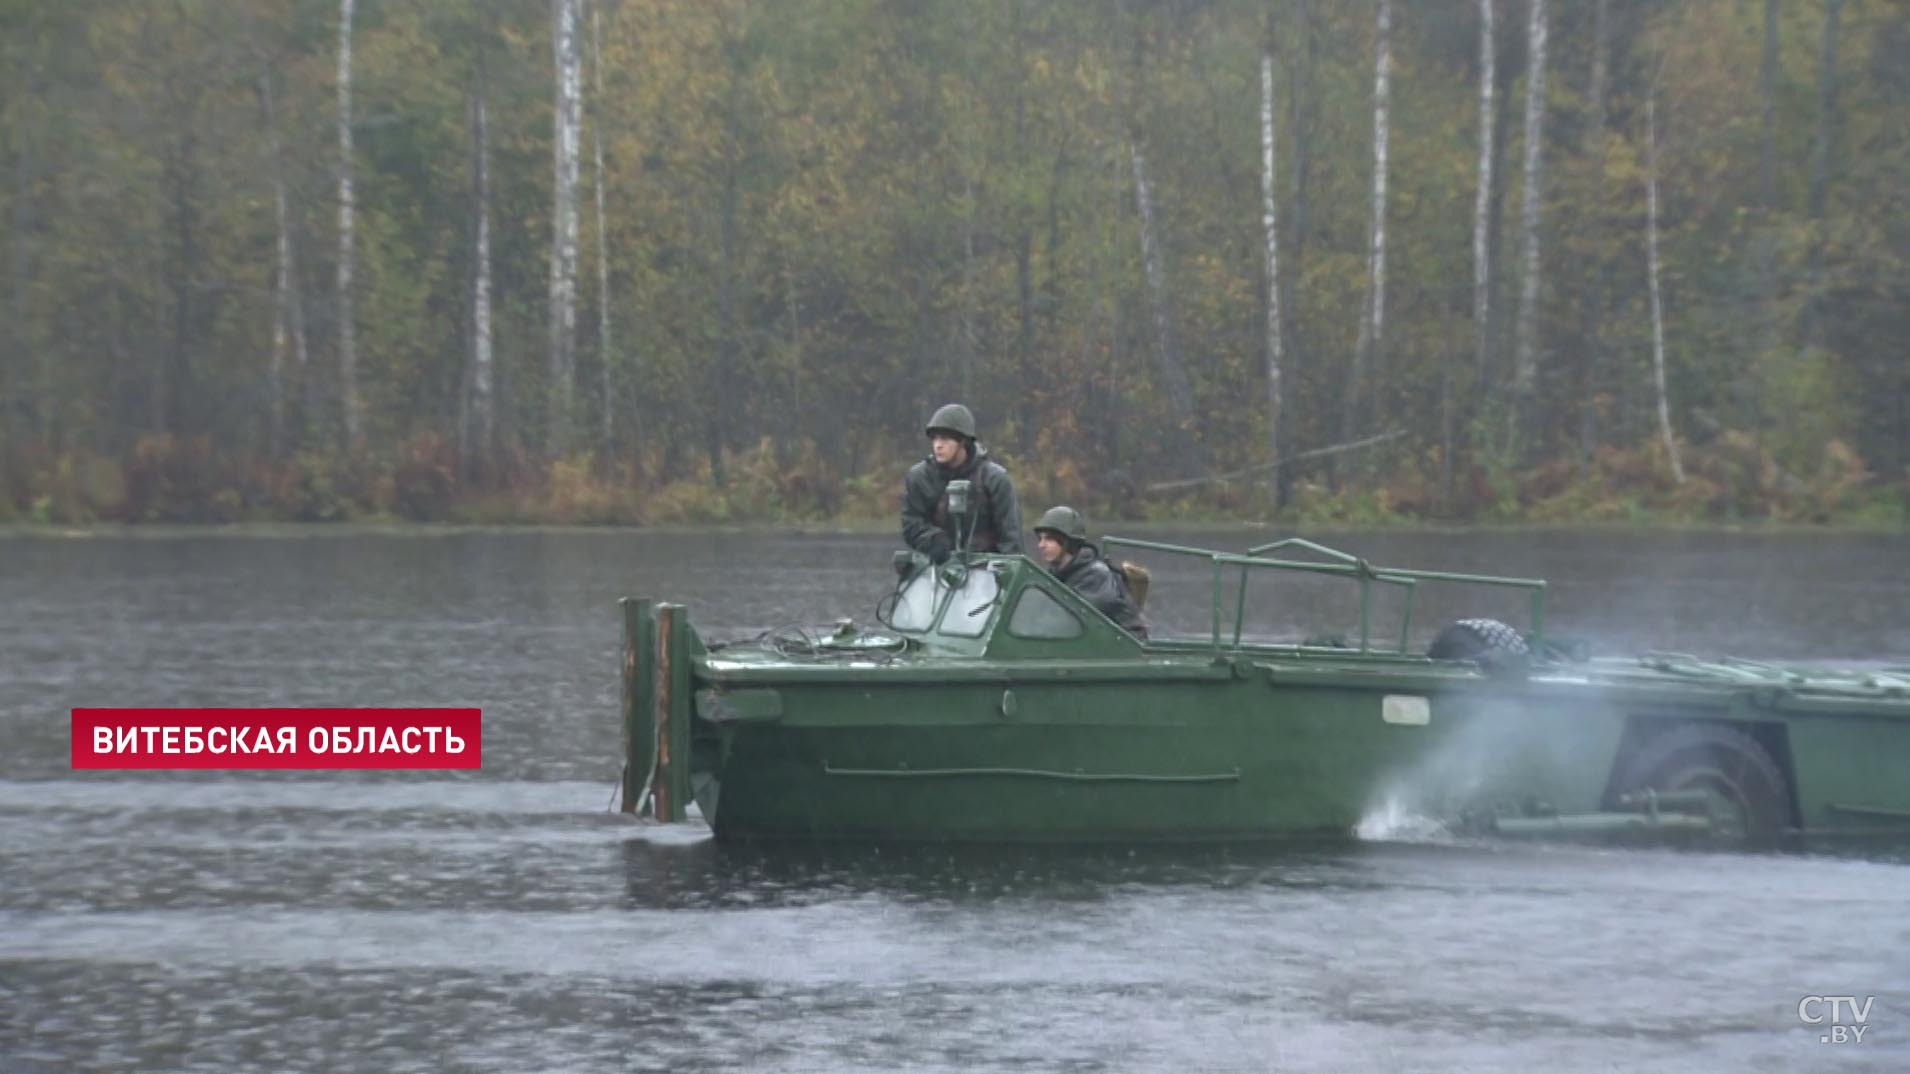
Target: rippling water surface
x,y
505,920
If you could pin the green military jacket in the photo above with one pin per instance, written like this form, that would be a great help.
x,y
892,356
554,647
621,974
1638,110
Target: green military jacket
x,y
994,520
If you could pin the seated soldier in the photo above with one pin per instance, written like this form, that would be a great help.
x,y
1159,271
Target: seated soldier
x,y
1061,542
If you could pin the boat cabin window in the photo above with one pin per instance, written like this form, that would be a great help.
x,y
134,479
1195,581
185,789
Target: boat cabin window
x,y
966,614
968,609
915,608
1039,615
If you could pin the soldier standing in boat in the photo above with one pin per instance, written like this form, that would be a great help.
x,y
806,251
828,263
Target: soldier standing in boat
x,y
1061,542
992,522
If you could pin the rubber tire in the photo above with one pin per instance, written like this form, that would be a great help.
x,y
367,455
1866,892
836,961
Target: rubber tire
x,y
1726,761
1469,639
1492,646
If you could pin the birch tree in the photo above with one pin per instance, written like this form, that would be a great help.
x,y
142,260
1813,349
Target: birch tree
x,y
1302,117
288,315
1373,310
1180,390
606,347
1525,371
1657,300
1764,237
1024,234
732,151
478,431
1482,203
563,247
1594,304
879,177
347,220
1269,221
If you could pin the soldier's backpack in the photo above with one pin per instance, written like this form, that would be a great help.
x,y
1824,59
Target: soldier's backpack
x,y
1137,580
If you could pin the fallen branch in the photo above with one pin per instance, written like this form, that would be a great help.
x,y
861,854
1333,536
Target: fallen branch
x,y
1353,445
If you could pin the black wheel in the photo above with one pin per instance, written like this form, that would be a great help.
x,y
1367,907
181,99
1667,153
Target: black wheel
x,y
1748,798
1492,645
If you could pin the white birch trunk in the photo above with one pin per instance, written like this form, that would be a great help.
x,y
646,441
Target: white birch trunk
x,y
1300,110
347,219
1483,203
1269,221
288,320
1179,391
1657,302
1763,240
1382,139
1024,232
606,349
1525,372
1373,309
1593,301
563,250
483,405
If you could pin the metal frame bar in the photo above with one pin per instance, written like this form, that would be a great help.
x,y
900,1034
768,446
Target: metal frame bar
x,y
1344,565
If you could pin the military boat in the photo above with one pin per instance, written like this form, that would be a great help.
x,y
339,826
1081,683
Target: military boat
x,y
991,703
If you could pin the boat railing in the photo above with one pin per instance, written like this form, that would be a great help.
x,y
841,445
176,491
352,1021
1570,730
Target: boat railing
x,y
1341,564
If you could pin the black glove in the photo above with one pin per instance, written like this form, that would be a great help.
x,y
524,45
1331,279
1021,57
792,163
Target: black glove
x,y
939,548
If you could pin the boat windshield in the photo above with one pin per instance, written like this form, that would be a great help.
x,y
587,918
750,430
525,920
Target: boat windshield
x,y
967,609
915,606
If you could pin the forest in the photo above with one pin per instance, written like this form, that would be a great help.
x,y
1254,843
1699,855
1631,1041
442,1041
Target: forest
x,y
710,261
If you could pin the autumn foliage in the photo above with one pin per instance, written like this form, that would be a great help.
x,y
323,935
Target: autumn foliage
x,y
822,218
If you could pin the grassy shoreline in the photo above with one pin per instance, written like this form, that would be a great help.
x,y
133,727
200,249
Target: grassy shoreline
x,y
1728,485
392,526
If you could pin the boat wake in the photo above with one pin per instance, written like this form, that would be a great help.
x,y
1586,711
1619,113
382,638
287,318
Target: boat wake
x,y
1393,821
1438,795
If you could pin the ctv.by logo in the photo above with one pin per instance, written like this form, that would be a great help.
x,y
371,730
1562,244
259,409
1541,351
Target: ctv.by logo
x,y
1845,1021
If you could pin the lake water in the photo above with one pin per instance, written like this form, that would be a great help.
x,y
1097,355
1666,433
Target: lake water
x,y
506,920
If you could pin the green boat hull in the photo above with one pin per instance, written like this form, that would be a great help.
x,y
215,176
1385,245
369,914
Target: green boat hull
x,y
1020,741
1224,758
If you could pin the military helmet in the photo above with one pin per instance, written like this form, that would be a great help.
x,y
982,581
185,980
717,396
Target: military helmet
x,y
954,418
1064,520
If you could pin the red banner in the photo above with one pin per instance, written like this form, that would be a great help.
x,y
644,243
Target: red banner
x,y
278,738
